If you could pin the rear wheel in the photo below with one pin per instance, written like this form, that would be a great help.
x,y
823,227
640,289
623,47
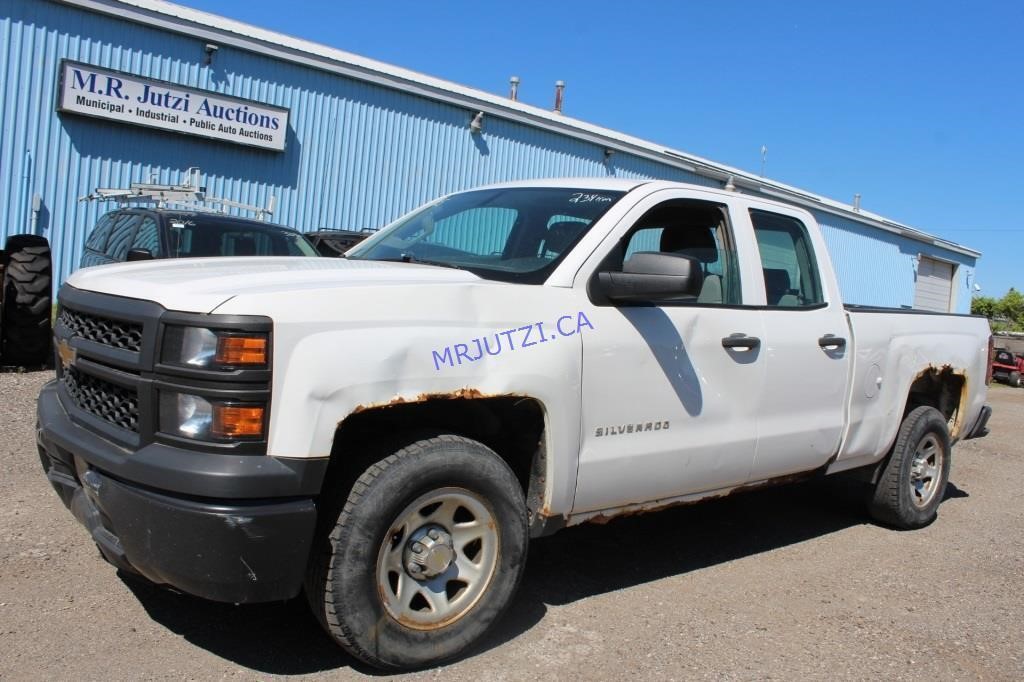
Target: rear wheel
x,y
27,301
913,482
425,555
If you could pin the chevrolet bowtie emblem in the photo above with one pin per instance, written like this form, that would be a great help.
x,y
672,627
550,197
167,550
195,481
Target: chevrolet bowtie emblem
x,y
66,353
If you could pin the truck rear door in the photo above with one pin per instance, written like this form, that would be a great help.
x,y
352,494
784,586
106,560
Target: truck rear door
x,y
806,345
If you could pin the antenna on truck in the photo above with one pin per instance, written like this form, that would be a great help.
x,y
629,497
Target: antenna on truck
x,y
189,194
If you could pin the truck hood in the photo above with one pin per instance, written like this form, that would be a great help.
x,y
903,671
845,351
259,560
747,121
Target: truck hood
x,y
202,284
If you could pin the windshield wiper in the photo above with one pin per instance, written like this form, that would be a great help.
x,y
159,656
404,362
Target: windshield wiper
x,y
409,258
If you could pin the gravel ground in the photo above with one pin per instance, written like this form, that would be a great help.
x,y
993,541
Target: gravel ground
x,y
785,583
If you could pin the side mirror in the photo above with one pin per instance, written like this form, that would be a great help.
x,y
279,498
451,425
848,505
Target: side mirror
x,y
139,254
654,276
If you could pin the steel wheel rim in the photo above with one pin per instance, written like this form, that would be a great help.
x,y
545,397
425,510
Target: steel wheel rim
x,y
926,470
423,601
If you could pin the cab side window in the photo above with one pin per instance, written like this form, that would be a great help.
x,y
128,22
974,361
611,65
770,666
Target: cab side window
x,y
147,237
787,261
697,229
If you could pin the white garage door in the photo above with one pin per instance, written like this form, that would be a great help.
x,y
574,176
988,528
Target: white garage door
x,y
934,285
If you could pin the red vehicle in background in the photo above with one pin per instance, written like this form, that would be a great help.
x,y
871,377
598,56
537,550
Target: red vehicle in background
x,y
1007,367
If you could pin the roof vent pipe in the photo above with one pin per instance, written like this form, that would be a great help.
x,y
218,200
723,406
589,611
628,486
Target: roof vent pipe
x,y
856,203
559,95
513,91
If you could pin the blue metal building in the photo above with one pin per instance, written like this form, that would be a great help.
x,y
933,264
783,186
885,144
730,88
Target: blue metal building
x,y
363,141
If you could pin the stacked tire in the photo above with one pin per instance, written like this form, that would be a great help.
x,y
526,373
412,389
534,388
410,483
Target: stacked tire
x,y
27,301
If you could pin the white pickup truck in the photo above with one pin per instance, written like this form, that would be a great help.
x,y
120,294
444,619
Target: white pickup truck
x,y
388,430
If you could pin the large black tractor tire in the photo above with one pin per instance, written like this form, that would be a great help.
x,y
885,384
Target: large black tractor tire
x,y
27,301
913,482
424,555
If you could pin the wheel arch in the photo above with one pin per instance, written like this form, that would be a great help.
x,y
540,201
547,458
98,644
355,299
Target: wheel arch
x,y
513,426
944,388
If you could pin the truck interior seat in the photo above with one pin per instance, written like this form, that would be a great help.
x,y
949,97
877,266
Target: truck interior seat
x,y
699,243
777,289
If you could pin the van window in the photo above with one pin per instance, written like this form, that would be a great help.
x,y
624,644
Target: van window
x,y
787,261
98,239
121,236
147,237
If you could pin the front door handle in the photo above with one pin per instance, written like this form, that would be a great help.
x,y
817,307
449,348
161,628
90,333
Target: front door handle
x,y
741,342
832,342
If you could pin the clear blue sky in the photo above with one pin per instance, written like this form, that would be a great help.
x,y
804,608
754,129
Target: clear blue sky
x,y
917,106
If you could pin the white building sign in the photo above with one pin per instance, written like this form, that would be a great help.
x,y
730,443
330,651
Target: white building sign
x,y
124,98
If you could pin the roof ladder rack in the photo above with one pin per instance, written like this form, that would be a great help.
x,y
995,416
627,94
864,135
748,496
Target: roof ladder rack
x,y
190,194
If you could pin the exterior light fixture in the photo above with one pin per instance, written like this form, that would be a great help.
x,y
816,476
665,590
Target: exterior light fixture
x,y
210,49
476,126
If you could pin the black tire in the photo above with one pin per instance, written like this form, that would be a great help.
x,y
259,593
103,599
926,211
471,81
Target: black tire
x,y
1014,379
27,301
356,607
913,482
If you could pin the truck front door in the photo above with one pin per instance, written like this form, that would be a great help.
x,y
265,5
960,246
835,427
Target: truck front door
x,y
670,391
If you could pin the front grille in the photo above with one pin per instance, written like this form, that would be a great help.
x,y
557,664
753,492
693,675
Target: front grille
x,y
109,332
115,404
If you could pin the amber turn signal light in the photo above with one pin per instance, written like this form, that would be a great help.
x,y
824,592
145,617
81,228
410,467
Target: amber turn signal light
x,y
233,421
242,350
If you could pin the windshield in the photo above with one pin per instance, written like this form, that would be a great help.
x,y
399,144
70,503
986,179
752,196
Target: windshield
x,y
205,237
510,234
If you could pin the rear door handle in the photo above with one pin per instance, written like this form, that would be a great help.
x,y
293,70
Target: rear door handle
x,y
832,342
741,342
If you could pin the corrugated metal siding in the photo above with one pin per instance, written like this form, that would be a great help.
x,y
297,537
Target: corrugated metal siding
x,y
875,267
358,155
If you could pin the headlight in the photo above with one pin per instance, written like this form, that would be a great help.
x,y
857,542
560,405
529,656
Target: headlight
x,y
210,349
198,346
192,416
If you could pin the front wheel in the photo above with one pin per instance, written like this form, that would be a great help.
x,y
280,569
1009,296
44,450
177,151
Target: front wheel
x,y
913,482
1014,379
425,555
